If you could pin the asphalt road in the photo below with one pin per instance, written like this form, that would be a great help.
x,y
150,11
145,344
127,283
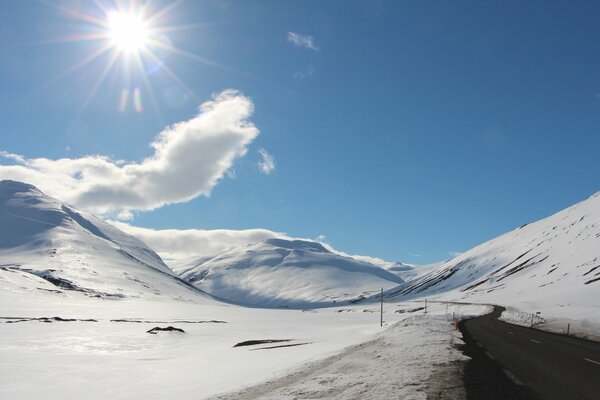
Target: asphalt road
x,y
514,362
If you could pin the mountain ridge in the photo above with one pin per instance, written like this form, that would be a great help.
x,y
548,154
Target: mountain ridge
x,y
285,273
48,246
552,263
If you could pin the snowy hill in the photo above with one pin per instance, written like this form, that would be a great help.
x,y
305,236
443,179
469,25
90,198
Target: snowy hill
x,y
285,273
552,264
49,249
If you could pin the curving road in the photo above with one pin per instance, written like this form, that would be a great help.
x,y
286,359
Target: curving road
x,y
514,362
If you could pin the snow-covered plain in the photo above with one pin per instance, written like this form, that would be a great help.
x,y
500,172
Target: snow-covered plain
x,y
415,358
119,360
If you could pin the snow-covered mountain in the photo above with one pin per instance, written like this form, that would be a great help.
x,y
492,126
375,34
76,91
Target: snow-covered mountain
x,y
553,263
49,248
285,273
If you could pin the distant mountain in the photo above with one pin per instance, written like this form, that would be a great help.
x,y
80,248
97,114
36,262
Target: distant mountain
x,y
285,273
50,248
554,262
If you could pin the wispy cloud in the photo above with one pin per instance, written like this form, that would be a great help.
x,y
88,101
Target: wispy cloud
x,y
309,73
13,157
266,162
179,244
189,159
454,253
321,238
306,41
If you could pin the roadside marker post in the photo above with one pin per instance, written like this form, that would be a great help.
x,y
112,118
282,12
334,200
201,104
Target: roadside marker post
x,y
381,320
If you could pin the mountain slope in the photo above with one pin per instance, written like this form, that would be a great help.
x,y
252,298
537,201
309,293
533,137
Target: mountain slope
x,y
285,273
552,263
50,248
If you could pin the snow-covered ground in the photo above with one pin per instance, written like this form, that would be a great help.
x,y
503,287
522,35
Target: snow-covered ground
x,y
56,261
119,360
583,326
401,362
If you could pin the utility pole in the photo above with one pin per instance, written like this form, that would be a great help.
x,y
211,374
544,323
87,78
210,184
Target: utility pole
x,y
381,320
425,306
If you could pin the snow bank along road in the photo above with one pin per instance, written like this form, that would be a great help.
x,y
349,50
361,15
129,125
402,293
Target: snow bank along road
x,y
414,359
553,366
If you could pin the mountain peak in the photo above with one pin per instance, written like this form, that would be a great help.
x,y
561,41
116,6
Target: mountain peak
x,y
297,244
10,188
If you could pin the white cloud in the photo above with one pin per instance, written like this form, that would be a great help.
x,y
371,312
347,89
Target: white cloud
x,y
305,41
177,244
309,73
189,159
267,162
13,157
321,239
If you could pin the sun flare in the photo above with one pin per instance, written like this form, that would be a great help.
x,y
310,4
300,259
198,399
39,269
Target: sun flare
x,y
127,32
134,41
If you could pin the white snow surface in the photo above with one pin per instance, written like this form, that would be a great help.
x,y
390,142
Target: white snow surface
x,y
285,273
60,262
119,360
551,266
50,250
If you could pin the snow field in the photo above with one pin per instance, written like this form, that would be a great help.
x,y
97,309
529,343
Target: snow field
x,y
96,360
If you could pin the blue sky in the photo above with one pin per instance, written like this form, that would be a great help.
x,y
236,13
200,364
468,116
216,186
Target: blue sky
x,y
400,129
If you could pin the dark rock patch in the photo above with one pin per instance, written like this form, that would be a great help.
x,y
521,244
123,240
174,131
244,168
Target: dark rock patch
x,y
157,329
262,341
280,346
141,321
12,320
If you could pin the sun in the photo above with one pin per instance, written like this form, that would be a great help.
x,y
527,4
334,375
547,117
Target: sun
x,y
127,32
133,40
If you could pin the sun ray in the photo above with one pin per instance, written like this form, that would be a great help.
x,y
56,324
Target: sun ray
x,y
195,57
140,64
134,33
99,52
74,14
80,37
159,14
169,72
188,27
101,78
63,74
